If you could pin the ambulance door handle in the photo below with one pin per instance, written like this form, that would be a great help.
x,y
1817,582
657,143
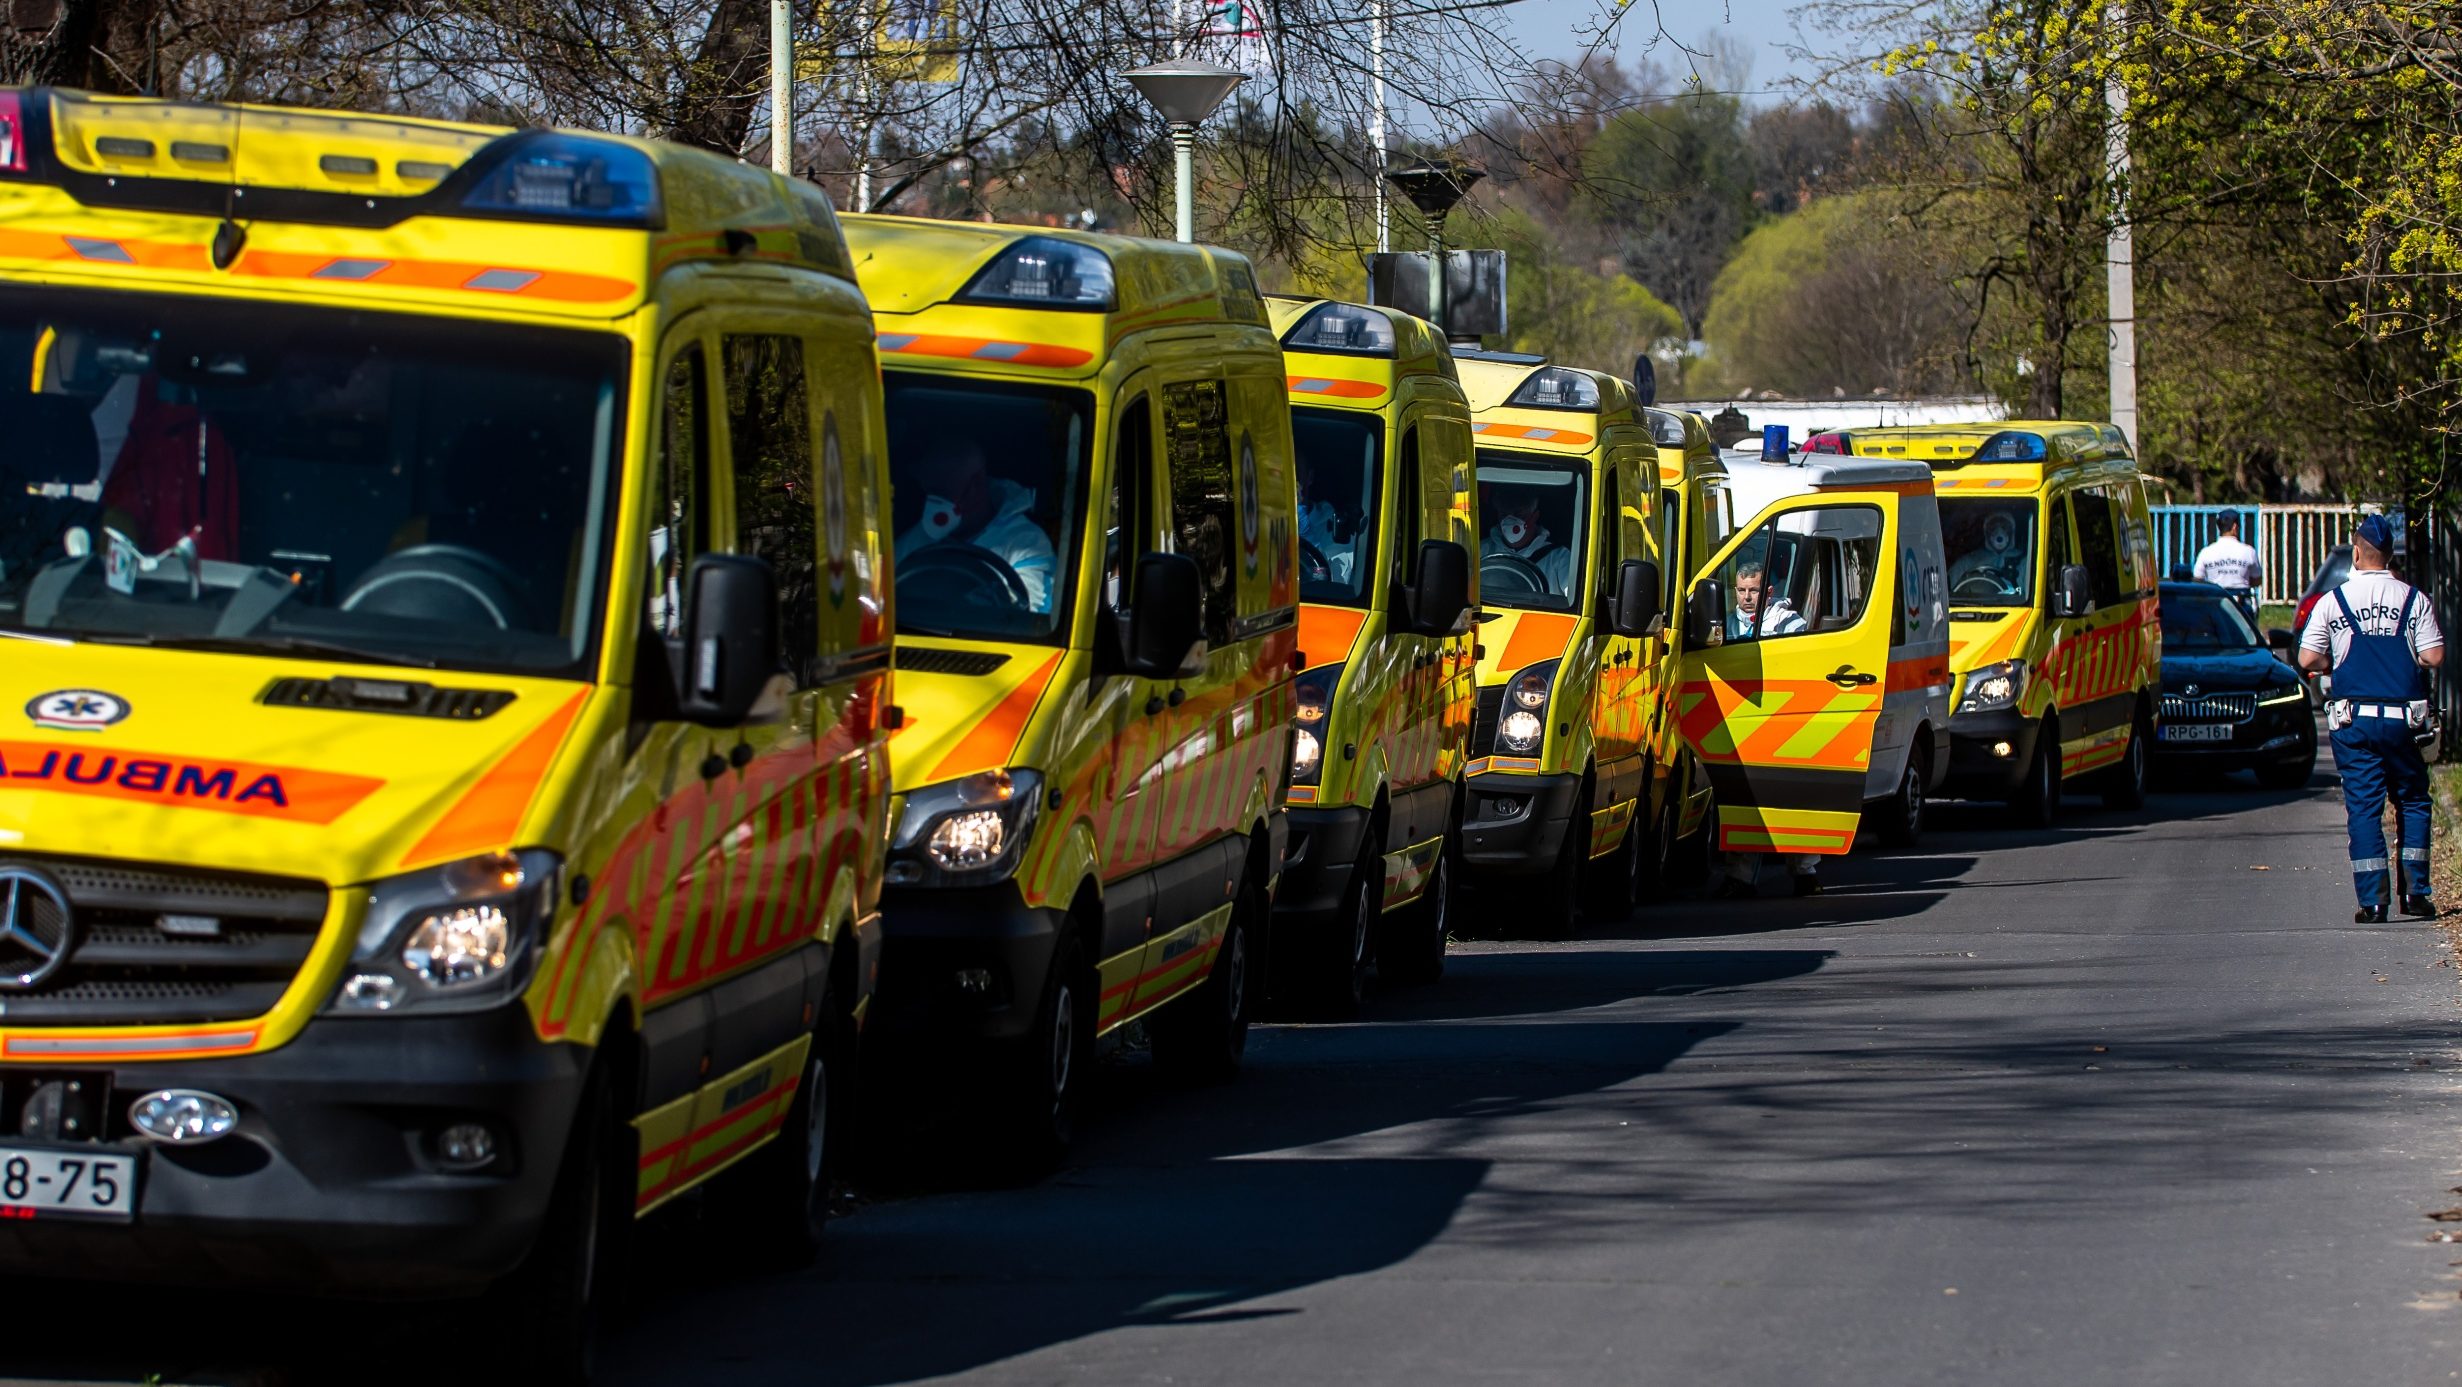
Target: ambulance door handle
x,y
1848,677
1178,696
1154,705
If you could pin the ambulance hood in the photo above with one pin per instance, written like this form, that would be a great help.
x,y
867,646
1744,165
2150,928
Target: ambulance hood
x,y
1981,636
1513,640
959,717
210,760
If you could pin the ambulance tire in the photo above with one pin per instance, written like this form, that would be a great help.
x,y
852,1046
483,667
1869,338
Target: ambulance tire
x,y
2125,787
1610,883
1556,902
1338,982
773,1206
1201,1035
1045,1093
1696,861
572,1278
1659,867
1410,943
1901,815
2037,801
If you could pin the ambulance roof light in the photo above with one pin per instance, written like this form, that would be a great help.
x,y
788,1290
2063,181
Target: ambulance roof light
x,y
2012,445
12,133
1342,329
1557,387
1045,272
1666,430
570,177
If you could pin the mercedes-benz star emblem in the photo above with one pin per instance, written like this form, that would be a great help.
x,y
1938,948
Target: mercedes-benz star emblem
x,y
36,929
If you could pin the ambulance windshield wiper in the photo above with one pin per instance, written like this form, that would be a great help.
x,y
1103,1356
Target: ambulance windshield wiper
x,y
273,644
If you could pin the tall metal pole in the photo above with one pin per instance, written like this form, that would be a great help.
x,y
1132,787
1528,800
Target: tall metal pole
x,y
1184,157
2120,252
781,87
1376,117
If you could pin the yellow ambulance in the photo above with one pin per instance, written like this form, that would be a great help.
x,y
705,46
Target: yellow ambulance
x,y
2055,632
1098,591
1695,514
1386,523
1570,672
443,590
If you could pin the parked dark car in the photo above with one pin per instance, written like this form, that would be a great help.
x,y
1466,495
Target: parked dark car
x,y
2230,702
2330,575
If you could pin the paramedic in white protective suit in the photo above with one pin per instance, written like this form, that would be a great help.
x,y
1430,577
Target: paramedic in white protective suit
x,y
964,504
1518,534
1996,557
1319,526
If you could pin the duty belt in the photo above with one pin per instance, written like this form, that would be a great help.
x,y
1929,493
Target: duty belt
x,y
2380,710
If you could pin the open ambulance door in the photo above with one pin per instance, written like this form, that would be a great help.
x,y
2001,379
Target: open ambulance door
x,y
1785,662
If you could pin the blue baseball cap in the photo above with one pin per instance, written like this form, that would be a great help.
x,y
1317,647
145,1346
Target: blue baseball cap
x,y
2378,531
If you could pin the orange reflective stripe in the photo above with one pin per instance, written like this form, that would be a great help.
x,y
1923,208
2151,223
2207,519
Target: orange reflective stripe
x,y
983,349
1326,633
986,745
1921,672
1532,432
1536,636
489,813
1339,389
562,286
102,250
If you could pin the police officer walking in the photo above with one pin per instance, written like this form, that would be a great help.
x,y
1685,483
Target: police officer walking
x,y
2379,637
2230,563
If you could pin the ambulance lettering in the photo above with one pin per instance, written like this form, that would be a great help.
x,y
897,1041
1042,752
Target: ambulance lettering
x,y
229,786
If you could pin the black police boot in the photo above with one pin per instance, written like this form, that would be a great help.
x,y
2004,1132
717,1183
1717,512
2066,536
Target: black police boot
x,y
2369,915
2418,907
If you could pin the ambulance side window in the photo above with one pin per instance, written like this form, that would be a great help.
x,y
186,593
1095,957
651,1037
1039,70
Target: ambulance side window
x,y
2098,544
1611,532
679,530
1204,501
769,428
1671,544
2056,550
1410,492
1125,527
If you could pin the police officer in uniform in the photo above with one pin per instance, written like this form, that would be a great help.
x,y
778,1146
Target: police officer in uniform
x,y
2379,637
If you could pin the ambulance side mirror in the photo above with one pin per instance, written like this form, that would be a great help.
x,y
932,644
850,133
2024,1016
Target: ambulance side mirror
x,y
1163,626
2073,594
1705,614
1439,591
1636,610
2280,638
730,645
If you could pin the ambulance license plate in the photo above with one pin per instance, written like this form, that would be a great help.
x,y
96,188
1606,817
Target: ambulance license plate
x,y
65,1182
2197,731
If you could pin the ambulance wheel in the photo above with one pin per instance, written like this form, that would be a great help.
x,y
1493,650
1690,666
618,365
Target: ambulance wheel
x,y
1697,857
2126,788
774,1205
1341,973
1610,883
1047,1085
1410,945
1659,867
573,1273
2037,800
1902,813
1558,895
1202,1034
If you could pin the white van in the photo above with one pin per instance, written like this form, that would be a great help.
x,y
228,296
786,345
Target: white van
x,y
1910,741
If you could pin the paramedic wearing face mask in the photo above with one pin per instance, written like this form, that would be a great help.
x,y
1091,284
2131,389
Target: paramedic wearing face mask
x,y
964,504
1996,560
1518,534
1323,529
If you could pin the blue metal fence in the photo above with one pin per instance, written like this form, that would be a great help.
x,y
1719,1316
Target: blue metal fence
x,y
2180,531
2292,540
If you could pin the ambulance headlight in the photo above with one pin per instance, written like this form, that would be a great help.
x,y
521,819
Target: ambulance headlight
x,y
1313,714
1523,724
458,937
970,830
1994,687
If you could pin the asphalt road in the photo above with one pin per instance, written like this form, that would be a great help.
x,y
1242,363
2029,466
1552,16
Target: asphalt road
x,y
2106,1104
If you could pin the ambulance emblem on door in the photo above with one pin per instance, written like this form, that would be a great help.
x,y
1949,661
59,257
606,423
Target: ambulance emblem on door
x,y
76,710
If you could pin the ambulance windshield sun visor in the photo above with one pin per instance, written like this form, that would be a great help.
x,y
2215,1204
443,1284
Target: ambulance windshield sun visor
x,y
275,480
1045,272
986,481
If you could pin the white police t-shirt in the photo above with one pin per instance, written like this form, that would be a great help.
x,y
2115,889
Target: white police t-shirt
x,y
2376,598
2227,563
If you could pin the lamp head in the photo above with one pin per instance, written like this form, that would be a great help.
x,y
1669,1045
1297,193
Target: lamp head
x,y
1435,185
1184,90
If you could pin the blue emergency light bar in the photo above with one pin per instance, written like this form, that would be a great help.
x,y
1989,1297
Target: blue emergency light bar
x,y
2012,445
1045,272
567,178
1341,329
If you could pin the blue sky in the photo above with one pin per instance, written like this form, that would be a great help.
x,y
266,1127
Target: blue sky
x,y
1760,28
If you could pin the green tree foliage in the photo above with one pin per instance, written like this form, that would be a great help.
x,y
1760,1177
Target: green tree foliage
x,y
1579,313
1670,184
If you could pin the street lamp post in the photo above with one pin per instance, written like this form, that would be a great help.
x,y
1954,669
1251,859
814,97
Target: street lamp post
x,y
1434,186
1185,91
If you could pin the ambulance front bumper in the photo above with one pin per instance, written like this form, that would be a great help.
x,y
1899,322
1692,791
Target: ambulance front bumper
x,y
1514,824
332,1182
1989,753
960,967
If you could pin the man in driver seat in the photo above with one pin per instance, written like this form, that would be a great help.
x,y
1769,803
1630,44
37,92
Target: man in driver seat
x,y
1519,534
965,505
1995,560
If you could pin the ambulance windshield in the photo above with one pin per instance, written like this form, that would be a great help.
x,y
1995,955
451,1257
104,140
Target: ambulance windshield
x,y
282,480
1990,547
1337,503
985,478
1536,513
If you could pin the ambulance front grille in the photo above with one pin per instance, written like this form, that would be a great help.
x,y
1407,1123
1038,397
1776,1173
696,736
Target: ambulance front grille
x,y
169,946
2238,707
1483,724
